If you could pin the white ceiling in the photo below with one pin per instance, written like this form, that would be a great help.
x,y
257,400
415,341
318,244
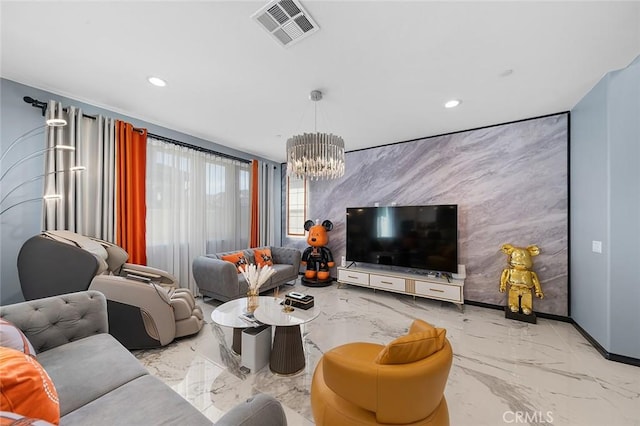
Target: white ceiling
x,y
386,68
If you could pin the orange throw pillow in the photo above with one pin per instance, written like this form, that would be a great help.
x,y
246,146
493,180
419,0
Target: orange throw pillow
x,y
237,259
26,388
263,257
413,346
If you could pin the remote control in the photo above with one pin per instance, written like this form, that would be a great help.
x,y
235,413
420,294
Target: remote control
x,y
296,295
250,319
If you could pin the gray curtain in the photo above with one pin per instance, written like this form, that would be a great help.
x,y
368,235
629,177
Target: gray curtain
x,y
266,201
87,203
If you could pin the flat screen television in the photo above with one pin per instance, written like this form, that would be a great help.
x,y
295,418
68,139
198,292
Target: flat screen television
x,y
421,237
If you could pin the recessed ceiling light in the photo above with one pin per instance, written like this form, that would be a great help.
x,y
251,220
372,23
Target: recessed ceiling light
x,y
452,103
157,81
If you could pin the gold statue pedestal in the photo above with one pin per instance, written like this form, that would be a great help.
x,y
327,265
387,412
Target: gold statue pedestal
x,y
530,318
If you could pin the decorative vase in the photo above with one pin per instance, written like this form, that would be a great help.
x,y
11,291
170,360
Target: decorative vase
x,y
252,300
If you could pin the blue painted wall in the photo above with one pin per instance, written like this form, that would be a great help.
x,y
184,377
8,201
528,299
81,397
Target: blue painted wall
x,y
605,206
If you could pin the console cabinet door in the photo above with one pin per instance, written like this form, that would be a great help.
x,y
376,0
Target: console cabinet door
x,y
353,277
387,283
452,293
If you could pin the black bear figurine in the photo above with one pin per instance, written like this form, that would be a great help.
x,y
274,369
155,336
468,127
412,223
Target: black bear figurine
x,y
317,257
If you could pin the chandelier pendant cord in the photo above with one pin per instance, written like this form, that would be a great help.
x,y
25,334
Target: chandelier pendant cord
x,y
315,117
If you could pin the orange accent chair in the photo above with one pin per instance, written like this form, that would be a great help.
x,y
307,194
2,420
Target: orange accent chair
x,y
401,383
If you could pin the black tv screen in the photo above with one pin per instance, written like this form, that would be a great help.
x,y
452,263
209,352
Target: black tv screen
x,y
421,237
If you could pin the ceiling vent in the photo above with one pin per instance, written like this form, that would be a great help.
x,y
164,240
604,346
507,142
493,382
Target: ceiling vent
x,y
286,21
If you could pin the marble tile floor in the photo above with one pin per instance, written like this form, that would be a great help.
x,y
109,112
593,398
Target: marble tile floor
x,y
504,371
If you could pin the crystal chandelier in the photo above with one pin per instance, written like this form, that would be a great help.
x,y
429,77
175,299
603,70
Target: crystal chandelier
x,y
315,155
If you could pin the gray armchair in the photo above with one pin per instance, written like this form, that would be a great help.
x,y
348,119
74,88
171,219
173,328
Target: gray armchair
x,y
145,308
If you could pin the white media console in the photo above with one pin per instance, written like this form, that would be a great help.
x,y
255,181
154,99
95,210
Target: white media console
x,y
414,284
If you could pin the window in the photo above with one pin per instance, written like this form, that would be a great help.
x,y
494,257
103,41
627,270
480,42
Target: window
x,y
197,203
296,206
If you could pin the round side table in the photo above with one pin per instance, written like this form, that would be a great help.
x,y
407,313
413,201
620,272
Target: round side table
x,y
228,315
287,353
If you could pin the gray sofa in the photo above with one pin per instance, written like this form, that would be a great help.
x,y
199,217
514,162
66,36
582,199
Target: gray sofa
x,y
99,382
220,279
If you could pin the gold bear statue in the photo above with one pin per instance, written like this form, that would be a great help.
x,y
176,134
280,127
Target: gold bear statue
x,y
521,280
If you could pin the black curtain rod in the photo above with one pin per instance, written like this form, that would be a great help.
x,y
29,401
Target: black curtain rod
x,y
36,104
197,148
95,117
43,106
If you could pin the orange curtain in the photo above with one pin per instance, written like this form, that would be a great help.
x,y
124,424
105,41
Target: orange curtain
x,y
131,206
254,236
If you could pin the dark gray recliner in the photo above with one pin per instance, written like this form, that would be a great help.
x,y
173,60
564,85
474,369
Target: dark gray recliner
x,y
146,309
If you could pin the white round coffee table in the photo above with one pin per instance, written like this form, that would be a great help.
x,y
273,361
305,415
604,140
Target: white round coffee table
x,y
228,315
287,353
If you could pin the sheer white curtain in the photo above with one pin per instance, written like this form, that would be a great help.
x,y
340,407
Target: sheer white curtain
x,y
87,203
197,203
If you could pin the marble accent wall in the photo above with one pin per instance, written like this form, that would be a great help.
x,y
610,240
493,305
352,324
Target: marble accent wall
x,y
509,182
